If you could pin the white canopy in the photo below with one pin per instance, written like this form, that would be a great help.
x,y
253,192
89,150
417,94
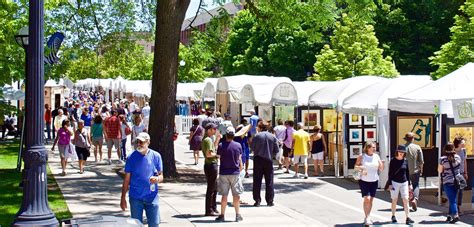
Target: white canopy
x,y
374,98
456,85
268,93
306,88
52,83
209,90
333,95
184,91
234,84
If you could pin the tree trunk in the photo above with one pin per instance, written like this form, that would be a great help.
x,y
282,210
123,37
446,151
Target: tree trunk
x,y
169,17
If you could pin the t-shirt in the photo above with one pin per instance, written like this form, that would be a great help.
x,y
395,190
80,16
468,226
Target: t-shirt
x,y
301,139
398,171
87,119
280,132
264,145
58,121
136,129
97,130
224,125
230,153
112,127
447,174
146,111
253,121
64,137
208,145
463,155
122,131
288,139
142,167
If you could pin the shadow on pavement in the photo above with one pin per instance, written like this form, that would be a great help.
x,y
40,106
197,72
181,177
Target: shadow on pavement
x,y
186,216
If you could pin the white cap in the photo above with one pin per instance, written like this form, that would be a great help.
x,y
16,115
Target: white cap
x,y
230,131
143,136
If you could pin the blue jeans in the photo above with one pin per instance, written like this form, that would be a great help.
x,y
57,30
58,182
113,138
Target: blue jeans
x,y
48,130
152,211
451,193
124,149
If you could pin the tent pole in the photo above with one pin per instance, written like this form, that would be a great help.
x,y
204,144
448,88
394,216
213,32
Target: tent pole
x,y
336,156
438,142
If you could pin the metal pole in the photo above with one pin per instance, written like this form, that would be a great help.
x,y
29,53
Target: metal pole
x,y
336,157
34,208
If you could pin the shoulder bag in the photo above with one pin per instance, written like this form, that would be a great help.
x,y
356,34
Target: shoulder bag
x,y
459,180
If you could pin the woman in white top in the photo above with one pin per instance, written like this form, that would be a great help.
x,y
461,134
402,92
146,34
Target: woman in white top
x,y
370,164
136,129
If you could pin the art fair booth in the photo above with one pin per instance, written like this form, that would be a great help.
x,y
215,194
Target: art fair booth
x,y
208,97
367,118
437,113
326,105
265,97
228,90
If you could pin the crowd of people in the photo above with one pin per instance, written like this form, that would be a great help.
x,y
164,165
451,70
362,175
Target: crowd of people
x,y
405,170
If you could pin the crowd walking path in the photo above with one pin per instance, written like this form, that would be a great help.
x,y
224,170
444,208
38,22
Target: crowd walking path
x,y
323,201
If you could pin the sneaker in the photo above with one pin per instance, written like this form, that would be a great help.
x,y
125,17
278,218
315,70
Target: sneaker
x,y
449,218
394,219
109,162
287,171
414,205
296,175
409,221
256,204
238,218
306,176
247,175
321,174
454,220
368,221
270,204
220,218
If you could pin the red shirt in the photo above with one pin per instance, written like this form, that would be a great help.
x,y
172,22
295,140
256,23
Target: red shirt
x,y
47,116
112,127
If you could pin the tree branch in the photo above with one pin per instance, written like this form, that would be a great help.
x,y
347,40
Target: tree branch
x,y
194,18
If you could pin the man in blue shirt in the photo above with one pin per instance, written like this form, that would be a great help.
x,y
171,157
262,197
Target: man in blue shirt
x,y
253,121
143,172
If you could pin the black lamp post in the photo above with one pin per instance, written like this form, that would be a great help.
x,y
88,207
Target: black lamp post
x,y
34,208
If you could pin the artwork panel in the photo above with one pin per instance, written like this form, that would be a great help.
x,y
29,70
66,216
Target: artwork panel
x,y
466,133
355,135
330,118
421,126
355,119
370,134
355,151
369,120
311,118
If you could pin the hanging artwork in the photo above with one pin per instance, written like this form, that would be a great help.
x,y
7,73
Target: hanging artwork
x,y
285,113
370,134
355,135
246,107
330,118
464,132
421,126
310,118
369,120
265,112
355,119
355,151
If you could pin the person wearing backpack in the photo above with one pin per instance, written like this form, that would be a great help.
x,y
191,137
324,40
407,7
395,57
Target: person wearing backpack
x,y
449,168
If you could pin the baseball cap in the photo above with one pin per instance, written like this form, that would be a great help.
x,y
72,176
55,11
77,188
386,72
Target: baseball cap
x,y
143,136
401,148
230,131
210,125
409,135
226,115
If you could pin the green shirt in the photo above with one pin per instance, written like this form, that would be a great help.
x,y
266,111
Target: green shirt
x,y
208,145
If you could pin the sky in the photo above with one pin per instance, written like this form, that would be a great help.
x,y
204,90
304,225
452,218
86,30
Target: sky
x,y
194,6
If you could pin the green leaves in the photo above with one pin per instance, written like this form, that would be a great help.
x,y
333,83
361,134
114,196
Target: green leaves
x,y
460,50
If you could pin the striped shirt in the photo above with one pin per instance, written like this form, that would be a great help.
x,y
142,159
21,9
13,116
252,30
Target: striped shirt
x,y
447,174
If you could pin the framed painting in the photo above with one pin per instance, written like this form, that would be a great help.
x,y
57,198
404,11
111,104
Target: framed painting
x,y
370,134
310,118
330,118
464,132
355,151
285,113
369,120
355,135
355,119
421,126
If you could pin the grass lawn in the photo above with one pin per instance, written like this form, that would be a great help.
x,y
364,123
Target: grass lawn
x,y
11,195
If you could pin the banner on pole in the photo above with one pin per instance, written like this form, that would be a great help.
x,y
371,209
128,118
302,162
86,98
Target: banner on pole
x,y
463,110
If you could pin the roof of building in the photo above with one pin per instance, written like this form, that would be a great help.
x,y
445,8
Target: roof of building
x,y
205,16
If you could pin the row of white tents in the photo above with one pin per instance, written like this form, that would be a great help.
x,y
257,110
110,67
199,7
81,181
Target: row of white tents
x,y
363,95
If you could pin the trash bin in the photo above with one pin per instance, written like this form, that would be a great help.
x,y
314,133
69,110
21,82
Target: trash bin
x,y
96,221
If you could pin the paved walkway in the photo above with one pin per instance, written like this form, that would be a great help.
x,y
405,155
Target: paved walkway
x,y
312,202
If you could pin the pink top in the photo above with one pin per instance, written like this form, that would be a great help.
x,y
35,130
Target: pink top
x,y
64,137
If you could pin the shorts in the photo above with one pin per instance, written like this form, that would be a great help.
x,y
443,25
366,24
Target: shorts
x,y
368,188
286,151
303,159
62,150
97,141
279,154
401,188
82,153
113,142
245,155
318,156
232,182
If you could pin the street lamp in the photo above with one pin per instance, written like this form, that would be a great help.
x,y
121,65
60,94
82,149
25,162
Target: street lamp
x,y
34,210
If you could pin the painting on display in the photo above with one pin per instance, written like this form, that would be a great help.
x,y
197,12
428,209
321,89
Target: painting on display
x,y
330,119
310,118
265,112
421,126
284,113
355,119
355,151
246,107
370,134
466,133
369,120
355,135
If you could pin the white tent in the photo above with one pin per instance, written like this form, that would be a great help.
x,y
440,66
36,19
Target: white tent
x,y
270,93
456,85
234,84
306,88
373,100
333,95
209,90
185,91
